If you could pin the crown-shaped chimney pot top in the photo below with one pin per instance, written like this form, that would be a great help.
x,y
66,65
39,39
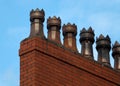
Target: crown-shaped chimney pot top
x,y
69,28
37,14
53,21
116,48
116,44
54,18
103,41
101,37
86,35
90,30
37,10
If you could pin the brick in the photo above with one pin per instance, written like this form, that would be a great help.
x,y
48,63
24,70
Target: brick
x,y
43,63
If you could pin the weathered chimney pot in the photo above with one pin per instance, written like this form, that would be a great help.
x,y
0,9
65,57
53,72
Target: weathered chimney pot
x,y
87,40
53,26
103,46
37,19
116,55
69,33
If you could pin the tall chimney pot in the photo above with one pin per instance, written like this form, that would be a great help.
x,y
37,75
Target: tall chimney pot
x,y
103,46
53,26
87,40
116,55
37,19
69,33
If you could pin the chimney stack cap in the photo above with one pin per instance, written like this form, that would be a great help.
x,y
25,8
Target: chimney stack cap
x,y
56,21
37,14
69,28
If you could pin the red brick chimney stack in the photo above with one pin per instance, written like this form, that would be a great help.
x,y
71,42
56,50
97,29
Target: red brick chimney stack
x,y
103,46
37,19
53,26
44,63
69,33
87,40
116,55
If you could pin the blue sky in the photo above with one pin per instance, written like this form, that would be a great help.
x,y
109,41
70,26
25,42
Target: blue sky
x,y
102,15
